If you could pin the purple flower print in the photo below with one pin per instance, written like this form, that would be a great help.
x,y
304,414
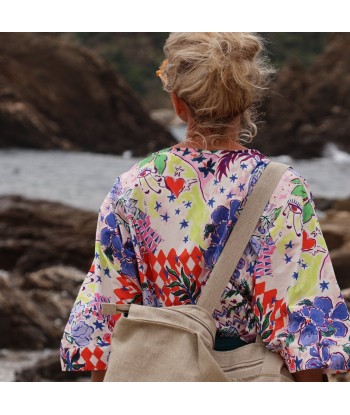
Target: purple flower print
x,y
81,334
222,221
322,358
333,317
318,319
110,238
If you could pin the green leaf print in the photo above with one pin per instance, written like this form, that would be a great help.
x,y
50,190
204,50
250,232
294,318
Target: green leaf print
x,y
277,212
305,302
230,293
196,295
172,272
187,290
185,278
246,288
160,163
260,307
300,191
308,212
136,299
179,292
174,284
290,339
267,334
331,330
146,160
346,348
266,321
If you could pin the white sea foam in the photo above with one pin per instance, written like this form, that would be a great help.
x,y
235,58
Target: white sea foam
x,y
331,151
12,361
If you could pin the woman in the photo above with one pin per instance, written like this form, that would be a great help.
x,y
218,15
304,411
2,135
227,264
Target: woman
x,y
164,223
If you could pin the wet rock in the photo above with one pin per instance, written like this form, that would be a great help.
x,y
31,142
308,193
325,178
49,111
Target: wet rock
x,y
56,95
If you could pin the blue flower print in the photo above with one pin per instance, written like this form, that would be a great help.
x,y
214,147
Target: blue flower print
x,y
81,333
110,238
322,358
318,319
222,221
333,317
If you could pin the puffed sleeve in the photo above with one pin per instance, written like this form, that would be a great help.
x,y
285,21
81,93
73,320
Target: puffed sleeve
x,y
297,303
113,278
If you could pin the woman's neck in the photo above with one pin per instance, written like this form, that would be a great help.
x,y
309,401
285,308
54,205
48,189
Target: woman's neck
x,y
228,144
200,138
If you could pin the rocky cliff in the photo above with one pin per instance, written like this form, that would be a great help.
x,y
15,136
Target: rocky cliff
x,y
309,108
56,95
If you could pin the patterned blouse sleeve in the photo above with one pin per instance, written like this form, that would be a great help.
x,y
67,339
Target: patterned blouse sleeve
x,y
297,302
113,278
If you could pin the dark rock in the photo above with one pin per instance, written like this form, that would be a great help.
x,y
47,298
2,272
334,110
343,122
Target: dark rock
x,y
333,237
336,229
56,95
323,203
35,308
49,369
342,205
346,295
23,324
37,234
308,108
341,265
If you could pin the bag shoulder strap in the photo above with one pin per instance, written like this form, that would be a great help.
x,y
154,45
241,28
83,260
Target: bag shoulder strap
x,y
239,237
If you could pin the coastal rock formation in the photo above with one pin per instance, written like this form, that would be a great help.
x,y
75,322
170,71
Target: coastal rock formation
x,y
56,95
37,234
336,229
309,108
35,308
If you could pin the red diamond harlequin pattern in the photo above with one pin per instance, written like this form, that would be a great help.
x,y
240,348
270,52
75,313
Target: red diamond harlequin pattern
x,y
269,302
191,262
93,359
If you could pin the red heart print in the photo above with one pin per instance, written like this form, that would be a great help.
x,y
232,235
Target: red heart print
x,y
175,185
308,243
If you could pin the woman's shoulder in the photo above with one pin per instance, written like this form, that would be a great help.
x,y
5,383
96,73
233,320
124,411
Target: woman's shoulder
x,y
294,183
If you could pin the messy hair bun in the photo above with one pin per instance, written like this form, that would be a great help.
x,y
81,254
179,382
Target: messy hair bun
x,y
219,75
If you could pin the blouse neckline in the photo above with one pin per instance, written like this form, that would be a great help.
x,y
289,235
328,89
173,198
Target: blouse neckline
x,y
202,150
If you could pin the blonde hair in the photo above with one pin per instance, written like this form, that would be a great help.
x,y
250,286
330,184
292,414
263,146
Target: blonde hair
x,y
219,75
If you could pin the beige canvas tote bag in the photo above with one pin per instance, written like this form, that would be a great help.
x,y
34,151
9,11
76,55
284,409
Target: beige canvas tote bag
x,y
176,343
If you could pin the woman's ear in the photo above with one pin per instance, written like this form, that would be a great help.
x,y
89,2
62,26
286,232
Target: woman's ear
x,y
180,107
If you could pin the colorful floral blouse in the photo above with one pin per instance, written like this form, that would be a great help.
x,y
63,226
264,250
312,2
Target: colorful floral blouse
x,y
160,232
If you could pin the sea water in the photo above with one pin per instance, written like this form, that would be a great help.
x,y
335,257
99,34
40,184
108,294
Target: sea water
x,y
83,179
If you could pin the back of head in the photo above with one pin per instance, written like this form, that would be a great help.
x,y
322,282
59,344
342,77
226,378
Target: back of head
x,y
219,75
